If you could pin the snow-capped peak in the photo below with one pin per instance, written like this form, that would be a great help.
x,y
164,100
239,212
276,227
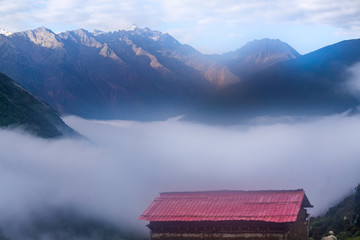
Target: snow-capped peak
x,y
97,32
132,28
4,32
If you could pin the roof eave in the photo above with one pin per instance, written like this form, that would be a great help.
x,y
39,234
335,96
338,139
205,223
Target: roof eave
x,y
306,203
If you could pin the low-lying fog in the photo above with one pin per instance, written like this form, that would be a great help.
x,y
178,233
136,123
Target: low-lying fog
x,y
123,165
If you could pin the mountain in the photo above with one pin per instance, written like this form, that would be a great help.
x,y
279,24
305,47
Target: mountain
x,y
138,73
4,32
343,219
318,83
257,55
18,107
129,74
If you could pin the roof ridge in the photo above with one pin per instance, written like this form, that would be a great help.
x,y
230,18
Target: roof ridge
x,y
235,191
243,216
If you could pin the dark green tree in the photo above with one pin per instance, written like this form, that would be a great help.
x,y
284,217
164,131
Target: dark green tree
x,y
357,205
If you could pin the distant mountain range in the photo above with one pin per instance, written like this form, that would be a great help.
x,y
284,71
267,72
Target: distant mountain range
x,y
145,75
134,74
256,56
317,83
18,107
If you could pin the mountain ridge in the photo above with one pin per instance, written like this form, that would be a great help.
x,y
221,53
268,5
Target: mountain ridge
x,y
257,55
128,74
316,83
19,108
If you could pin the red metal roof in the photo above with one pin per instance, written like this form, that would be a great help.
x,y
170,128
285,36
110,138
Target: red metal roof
x,y
268,206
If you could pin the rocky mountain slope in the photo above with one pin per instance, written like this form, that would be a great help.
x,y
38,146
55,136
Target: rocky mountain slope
x,y
319,83
19,108
256,56
128,74
105,75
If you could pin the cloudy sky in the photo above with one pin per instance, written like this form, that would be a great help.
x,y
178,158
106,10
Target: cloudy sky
x,y
210,26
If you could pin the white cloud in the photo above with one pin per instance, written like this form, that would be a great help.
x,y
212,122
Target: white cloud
x,y
257,11
235,35
155,12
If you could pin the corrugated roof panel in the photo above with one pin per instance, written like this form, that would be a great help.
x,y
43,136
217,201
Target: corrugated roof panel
x,y
270,206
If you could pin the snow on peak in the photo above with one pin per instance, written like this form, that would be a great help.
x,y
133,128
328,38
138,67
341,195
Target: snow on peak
x,y
155,38
97,32
154,35
4,32
144,32
132,28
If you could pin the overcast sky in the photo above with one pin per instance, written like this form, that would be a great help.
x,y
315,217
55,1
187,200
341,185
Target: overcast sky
x,y
208,25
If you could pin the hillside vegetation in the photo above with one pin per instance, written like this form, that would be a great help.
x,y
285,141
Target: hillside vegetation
x,y
343,219
19,108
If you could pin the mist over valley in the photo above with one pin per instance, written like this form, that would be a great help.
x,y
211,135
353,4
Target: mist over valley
x,y
122,165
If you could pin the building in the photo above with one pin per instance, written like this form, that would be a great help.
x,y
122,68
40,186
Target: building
x,y
229,215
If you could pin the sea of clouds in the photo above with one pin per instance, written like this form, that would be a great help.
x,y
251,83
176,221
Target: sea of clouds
x,y
120,166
